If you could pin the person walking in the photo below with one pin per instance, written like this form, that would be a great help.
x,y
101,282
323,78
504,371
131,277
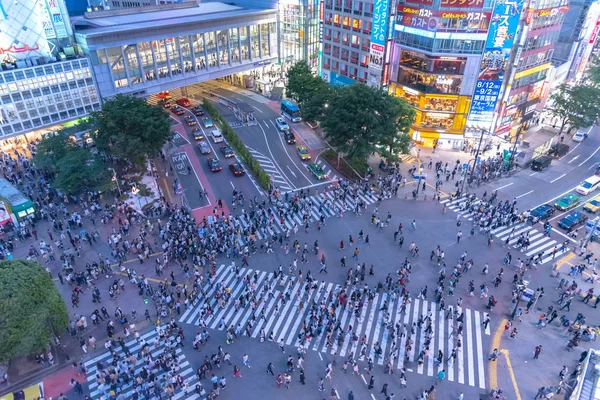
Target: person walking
x,y
371,382
441,376
270,369
537,351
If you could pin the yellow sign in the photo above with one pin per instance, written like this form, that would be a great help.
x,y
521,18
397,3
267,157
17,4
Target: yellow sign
x,y
533,70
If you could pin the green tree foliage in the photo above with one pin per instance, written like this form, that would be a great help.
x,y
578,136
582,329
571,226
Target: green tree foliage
x,y
75,168
593,73
576,106
31,309
130,128
301,83
316,106
360,120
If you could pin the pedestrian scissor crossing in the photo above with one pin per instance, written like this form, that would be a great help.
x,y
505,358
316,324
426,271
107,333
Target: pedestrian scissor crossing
x,y
285,321
322,204
539,243
270,168
182,368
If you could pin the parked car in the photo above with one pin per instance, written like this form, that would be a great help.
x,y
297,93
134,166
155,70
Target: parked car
x,y
236,168
183,102
214,165
572,221
227,151
569,201
541,163
558,150
317,170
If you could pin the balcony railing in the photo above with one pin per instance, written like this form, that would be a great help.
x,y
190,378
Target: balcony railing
x,y
343,72
355,45
326,66
346,42
336,39
364,64
345,57
354,60
364,47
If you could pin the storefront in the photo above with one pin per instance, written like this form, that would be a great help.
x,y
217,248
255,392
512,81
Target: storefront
x,y
440,139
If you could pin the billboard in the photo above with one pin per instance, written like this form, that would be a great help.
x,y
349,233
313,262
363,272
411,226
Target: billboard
x,y
500,39
340,80
433,20
378,40
461,4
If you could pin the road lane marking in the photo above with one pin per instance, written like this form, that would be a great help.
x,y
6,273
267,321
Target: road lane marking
x,y
562,176
534,173
574,158
592,155
592,166
524,194
512,374
572,150
291,172
505,186
258,109
493,368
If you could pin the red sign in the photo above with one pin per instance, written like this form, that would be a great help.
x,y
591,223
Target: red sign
x,y
13,49
461,4
421,2
594,34
321,11
385,73
550,12
529,16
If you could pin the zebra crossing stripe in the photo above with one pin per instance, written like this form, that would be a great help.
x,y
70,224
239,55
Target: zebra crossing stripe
x,y
479,342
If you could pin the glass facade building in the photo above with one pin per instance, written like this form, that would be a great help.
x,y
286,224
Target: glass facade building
x,y
31,98
193,43
299,34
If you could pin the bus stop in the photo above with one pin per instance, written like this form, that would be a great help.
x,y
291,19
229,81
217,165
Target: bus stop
x,y
242,110
246,113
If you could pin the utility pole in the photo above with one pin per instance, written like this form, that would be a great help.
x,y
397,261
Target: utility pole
x,y
476,156
514,149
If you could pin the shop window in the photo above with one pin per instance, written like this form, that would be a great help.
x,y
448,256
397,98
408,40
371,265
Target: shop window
x,y
429,83
437,120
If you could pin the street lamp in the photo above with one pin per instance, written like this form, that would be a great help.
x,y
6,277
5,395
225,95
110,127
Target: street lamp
x,y
462,188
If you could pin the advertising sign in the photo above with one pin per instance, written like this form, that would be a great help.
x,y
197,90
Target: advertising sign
x,y
4,214
421,2
46,21
461,4
340,80
432,19
501,36
378,39
57,19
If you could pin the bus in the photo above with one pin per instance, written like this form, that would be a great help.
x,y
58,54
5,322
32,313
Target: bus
x,y
290,111
14,201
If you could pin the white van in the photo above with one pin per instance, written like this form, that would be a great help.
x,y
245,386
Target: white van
x,y
217,136
589,185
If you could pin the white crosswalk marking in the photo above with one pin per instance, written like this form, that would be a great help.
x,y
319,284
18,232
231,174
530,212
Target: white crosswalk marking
x,y
101,391
539,243
270,168
287,323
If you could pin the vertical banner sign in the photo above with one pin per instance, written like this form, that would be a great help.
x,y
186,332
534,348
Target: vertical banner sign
x,y
46,20
57,19
500,39
321,17
378,39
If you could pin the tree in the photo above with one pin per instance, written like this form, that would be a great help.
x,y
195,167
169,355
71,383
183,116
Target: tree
x,y
593,73
315,107
74,168
576,106
80,170
301,83
130,129
360,119
31,309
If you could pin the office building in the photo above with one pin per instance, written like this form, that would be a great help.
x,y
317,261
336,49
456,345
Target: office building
x,y
44,80
146,50
435,64
530,70
576,40
356,41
